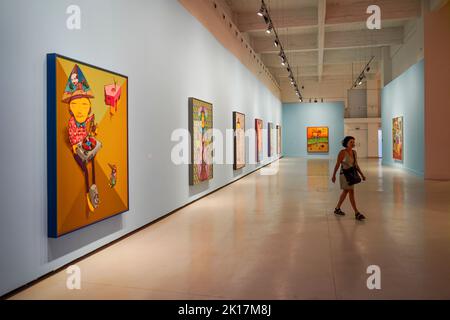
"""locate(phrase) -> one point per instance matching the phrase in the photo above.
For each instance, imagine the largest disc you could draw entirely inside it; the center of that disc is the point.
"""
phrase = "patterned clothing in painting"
(78, 131)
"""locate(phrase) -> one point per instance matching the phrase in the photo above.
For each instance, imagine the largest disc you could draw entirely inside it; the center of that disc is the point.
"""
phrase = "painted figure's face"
(351, 143)
(80, 109)
(74, 78)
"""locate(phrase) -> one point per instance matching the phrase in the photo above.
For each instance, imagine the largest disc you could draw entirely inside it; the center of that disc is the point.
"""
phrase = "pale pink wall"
(437, 94)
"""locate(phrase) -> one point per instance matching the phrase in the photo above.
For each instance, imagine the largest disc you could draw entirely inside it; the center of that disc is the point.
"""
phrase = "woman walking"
(347, 159)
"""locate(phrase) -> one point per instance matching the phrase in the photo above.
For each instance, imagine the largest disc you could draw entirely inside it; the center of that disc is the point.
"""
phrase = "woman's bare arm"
(338, 164)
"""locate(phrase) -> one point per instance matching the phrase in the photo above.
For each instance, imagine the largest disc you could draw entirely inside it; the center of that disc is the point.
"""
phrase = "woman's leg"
(342, 198)
(352, 200)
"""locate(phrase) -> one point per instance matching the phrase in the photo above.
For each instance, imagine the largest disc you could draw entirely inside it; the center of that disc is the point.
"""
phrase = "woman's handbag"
(351, 174)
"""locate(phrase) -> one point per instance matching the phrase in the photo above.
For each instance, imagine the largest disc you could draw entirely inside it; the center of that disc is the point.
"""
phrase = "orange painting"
(317, 139)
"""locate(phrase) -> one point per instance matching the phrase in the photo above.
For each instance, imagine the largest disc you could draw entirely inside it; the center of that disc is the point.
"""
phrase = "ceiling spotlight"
(261, 12)
(360, 79)
(266, 19)
(269, 29)
(281, 55)
(276, 43)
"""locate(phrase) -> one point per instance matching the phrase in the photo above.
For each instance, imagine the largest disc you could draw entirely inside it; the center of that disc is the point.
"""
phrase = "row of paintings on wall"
(201, 168)
(87, 120)
(88, 143)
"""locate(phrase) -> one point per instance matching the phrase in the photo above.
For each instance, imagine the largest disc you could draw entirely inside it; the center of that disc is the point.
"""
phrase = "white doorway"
(380, 143)
(361, 136)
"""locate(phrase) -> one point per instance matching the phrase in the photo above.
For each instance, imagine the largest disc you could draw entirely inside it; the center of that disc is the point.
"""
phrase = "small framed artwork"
(271, 140)
(239, 140)
(259, 139)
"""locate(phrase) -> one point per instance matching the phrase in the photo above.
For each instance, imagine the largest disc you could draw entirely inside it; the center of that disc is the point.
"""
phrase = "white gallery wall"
(168, 56)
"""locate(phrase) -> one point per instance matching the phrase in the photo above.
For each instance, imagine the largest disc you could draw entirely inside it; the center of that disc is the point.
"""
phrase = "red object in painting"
(112, 96)
(89, 143)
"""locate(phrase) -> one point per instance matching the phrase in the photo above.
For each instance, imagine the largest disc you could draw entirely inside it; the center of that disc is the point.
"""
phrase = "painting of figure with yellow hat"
(87, 144)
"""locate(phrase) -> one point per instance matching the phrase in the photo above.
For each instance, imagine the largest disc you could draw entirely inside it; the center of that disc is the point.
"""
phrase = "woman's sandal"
(339, 212)
(360, 217)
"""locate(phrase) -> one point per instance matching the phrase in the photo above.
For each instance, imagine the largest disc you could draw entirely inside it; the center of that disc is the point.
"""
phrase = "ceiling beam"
(328, 70)
(333, 40)
(364, 38)
(355, 10)
(331, 57)
(306, 17)
(295, 59)
(297, 43)
(322, 10)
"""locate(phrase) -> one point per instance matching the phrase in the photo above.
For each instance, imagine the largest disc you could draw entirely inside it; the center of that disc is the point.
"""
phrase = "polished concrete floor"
(275, 237)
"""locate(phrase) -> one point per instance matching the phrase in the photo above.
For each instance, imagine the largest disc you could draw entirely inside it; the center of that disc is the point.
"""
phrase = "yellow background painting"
(72, 209)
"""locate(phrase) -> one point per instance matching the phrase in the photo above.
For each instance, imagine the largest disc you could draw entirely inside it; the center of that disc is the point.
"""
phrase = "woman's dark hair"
(347, 140)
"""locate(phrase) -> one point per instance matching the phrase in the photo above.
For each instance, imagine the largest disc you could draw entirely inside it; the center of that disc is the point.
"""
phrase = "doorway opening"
(380, 143)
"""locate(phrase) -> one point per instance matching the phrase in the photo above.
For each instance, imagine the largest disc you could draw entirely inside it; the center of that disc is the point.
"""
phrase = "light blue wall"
(404, 97)
(298, 116)
(168, 56)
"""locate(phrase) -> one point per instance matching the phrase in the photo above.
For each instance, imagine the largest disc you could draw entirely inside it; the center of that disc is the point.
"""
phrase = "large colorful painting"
(87, 144)
(200, 128)
(279, 140)
(397, 138)
(318, 139)
(270, 140)
(239, 140)
(259, 140)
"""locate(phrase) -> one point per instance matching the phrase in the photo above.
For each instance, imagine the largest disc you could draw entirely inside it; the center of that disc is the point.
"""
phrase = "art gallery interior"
(184, 149)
